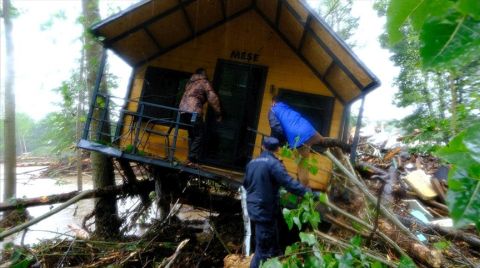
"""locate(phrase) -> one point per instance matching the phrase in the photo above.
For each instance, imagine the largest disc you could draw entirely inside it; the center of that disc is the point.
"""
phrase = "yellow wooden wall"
(250, 33)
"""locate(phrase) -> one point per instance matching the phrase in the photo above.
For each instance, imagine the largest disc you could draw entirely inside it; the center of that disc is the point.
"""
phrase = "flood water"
(31, 184)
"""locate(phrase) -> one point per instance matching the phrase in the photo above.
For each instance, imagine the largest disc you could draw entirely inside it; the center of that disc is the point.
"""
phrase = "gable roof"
(151, 28)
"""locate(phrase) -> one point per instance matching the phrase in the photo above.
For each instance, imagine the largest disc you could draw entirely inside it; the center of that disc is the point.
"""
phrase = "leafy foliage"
(304, 213)
(337, 14)
(448, 30)
(442, 91)
(463, 197)
(308, 251)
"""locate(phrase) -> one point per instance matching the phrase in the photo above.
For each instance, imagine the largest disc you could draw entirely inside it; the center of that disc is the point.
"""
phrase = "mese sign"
(244, 56)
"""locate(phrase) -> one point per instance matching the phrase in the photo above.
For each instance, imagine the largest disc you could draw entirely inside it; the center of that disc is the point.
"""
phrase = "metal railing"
(107, 123)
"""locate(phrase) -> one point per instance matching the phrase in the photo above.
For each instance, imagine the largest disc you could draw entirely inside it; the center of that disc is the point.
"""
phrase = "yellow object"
(420, 183)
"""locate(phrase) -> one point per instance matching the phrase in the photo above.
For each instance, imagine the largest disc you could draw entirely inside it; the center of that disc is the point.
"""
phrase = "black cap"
(271, 143)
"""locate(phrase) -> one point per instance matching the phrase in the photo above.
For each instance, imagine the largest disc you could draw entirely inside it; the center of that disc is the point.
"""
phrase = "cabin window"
(162, 87)
(317, 109)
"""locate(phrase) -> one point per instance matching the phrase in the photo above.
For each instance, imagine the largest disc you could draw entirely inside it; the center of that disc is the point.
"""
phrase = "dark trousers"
(195, 136)
(266, 242)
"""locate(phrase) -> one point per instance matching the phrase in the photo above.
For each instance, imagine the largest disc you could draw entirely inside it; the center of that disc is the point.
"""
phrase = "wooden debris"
(391, 154)
(237, 261)
(437, 187)
(415, 249)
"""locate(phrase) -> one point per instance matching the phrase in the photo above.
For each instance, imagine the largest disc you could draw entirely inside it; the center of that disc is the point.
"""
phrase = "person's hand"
(219, 118)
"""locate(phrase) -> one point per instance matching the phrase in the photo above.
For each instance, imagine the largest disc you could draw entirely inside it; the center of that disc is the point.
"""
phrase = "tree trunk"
(106, 215)
(80, 114)
(442, 106)
(453, 104)
(9, 190)
(426, 94)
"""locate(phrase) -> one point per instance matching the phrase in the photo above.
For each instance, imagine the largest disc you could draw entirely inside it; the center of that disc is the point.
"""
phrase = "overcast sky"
(45, 58)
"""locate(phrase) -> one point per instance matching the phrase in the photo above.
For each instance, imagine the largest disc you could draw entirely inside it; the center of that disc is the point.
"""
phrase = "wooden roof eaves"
(342, 43)
(369, 88)
(94, 28)
(322, 44)
(109, 42)
(307, 30)
(304, 60)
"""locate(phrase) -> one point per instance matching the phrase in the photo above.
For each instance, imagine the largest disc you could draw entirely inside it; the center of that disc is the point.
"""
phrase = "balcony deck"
(125, 134)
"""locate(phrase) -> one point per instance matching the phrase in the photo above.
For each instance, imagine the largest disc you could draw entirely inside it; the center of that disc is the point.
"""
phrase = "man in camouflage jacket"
(198, 91)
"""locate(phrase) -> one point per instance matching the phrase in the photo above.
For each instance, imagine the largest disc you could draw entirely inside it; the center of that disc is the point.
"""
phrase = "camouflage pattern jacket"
(198, 91)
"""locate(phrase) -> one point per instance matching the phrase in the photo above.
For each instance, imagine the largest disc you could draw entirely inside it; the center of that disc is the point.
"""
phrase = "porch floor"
(230, 178)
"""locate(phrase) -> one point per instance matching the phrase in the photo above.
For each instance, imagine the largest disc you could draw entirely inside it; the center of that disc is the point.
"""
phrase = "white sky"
(43, 59)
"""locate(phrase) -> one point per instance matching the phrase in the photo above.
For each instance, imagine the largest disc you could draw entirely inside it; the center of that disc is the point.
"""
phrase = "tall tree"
(9, 190)
(338, 14)
(106, 214)
(443, 97)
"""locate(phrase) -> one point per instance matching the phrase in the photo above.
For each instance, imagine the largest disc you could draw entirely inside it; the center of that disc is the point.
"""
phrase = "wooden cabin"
(252, 50)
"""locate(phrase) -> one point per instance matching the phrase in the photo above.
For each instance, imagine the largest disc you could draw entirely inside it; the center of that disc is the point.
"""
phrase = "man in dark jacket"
(198, 91)
(263, 177)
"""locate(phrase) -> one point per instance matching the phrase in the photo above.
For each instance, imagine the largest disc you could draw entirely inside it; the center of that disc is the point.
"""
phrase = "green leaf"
(357, 226)
(313, 169)
(441, 245)
(323, 198)
(308, 238)
(464, 149)
(292, 249)
(445, 39)
(288, 218)
(376, 264)
(312, 261)
(406, 262)
(271, 263)
(356, 241)
(463, 197)
(469, 7)
(296, 220)
(314, 219)
(399, 12)
(286, 152)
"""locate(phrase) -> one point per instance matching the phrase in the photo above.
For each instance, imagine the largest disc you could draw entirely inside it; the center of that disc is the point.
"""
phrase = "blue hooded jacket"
(263, 177)
(291, 123)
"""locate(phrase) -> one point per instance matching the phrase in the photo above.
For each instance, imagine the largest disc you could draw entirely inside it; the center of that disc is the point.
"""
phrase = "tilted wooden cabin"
(251, 49)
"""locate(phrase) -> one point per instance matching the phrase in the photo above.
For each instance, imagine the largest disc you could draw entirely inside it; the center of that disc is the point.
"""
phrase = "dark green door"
(240, 88)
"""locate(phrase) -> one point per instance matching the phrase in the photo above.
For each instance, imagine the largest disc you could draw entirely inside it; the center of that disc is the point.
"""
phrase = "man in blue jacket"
(287, 124)
(263, 177)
